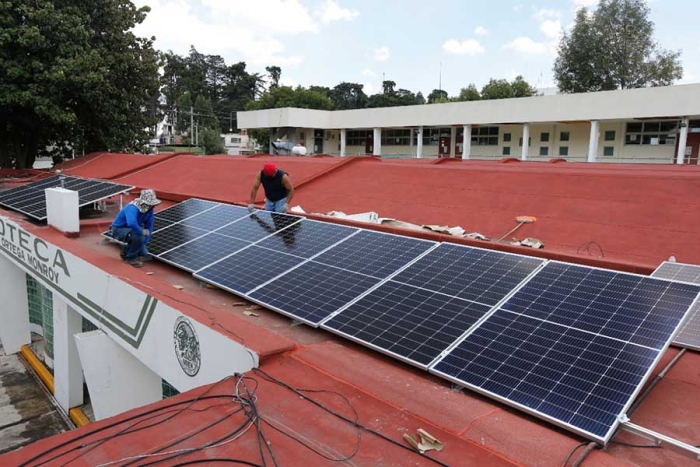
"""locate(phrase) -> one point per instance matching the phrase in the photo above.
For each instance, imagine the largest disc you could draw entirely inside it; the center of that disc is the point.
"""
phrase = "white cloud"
(551, 28)
(527, 46)
(369, 89)
(382, 54)
(586, 3)
(481, 31)
(544, 13)
(518, 8)
(330, 11)
(469, 47)
(287, 81)
(368, 72)
(273, 16)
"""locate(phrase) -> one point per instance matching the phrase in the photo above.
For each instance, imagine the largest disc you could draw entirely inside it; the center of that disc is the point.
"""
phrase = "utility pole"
(191, 124)
(197, 135)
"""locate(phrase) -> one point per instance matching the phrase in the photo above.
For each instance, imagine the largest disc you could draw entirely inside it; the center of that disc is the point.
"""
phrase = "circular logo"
(187, 346)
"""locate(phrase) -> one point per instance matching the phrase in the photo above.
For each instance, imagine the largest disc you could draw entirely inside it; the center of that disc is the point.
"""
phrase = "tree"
(522, 88)
(470, 93)
(275, 73)
(210, 140)
(497, 89)
(204, 114)
(388, 87)
(438, 95)
(419, 98)
(285, 96)
(184, 107)
(348, 96)
(72, 72)
(613, 48)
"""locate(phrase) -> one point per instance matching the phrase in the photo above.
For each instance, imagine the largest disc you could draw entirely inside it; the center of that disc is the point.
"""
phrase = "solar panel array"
(689, 335)
(570, 344)
(30, 199)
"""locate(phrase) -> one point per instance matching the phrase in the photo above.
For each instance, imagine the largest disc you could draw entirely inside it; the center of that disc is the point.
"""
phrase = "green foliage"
(419, 98)
(502, 89)
(262, 138)
(392, 98)
(184, 107)
(613, 48)
(210, 140)
(204, 114)
(72, 71)
(470, 93)
(285, 96)
(348, 96)
(438, 96)
(275, 73)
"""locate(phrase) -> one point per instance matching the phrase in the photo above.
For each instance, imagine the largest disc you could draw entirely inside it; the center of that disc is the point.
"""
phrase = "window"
(610, 135)
(544, 137)
(652, 133)
(544, 151)
(485, 136)
(506, 150)
(506, 137)
(529, 142)
(563, 151)
(357, 137)
(609, 151)
(396, 137)
(318, 133)
(235, 140)
(431, 136)
(564, 136)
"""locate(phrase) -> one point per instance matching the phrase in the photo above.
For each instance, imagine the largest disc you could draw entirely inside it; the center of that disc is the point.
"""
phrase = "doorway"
(692, 148)
(369, 143)
(444, 148)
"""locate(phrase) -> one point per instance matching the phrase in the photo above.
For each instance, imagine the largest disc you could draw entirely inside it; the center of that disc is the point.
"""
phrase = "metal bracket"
(661, 440)
(456, 387)
(295, 322)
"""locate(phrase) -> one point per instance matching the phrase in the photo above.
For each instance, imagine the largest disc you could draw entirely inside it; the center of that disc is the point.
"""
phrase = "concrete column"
(467, 142)
(419, 145)
(343, 139)
(593, 141)
(68, 373)
(682, 141)
(14, 310)
(62, 207)
(117, 380)
(453, 141)
(377, 142)
(526, 142)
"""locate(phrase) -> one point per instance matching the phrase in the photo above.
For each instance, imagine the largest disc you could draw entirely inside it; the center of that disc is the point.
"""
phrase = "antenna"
(440, 83)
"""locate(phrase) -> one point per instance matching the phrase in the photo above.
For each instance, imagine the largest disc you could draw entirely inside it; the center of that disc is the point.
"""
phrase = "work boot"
(134, 263)
(146, 258)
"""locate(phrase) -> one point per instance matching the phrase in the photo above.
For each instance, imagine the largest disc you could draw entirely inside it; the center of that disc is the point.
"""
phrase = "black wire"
(344, 418)
(587, 248)
(190, 402)
(573, 451)
(207, 461)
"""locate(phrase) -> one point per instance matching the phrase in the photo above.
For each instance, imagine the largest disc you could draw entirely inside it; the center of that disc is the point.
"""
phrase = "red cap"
(269, 169)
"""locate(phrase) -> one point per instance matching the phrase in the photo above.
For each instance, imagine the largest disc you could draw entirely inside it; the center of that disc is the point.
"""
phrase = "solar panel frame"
(689, 336)
(604, 439)
(30, 199)
(391, 279)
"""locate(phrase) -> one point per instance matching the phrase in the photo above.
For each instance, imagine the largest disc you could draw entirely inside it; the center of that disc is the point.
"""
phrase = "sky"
(416, 43)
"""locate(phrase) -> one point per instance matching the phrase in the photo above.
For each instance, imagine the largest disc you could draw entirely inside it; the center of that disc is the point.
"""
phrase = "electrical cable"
(272, 379)
(573, 451)
(190, 402)
(208, 461)
(631, 445)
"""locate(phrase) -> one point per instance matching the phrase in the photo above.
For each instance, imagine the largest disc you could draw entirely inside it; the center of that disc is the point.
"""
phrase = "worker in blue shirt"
(134, 226)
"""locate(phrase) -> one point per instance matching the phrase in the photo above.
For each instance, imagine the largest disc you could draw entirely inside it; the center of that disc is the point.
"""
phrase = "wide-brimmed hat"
(149, 197)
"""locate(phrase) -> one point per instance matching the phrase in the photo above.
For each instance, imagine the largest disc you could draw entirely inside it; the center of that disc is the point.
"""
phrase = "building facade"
(651, 125)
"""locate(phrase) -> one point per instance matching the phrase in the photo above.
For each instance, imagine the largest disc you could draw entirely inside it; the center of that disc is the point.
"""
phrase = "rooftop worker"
(278, 189)
(134, 226)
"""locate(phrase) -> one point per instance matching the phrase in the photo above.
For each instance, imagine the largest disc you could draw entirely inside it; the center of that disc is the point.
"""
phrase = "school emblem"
(187, 346)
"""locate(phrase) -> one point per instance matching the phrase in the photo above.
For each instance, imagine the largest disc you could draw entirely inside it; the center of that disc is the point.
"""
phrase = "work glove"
(251, 208)
(146, 233)
(284, 208)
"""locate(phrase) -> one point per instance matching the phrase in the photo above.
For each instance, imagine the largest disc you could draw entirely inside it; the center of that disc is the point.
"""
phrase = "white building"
(652, 125)
(237, 144)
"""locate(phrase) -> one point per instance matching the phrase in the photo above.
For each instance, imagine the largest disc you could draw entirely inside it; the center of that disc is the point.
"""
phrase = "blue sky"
(325, 42)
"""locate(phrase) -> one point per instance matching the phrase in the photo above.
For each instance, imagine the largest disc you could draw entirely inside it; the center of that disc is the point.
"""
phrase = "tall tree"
(72, 71)
(275, 73)
(184, 109)
(420, 99)
(285, 96)
(204, 114)
(470, 93)
(497, 89)
(613, 48)
(438, 96)
(522, 88)
(348, 96)
(388, 86)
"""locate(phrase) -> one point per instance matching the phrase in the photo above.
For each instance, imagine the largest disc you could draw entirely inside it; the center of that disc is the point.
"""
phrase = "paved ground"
(26, 414)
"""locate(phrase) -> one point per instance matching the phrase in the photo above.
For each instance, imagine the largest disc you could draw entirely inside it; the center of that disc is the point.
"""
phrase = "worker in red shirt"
(279, 190)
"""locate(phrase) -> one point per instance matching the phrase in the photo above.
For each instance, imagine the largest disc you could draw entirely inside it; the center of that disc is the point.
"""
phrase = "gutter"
(76, 414)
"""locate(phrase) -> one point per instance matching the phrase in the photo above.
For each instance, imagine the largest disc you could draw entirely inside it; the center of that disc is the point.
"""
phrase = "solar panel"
(172, 237)
(247, 269)
(313, 291)
(307, 238)
(202, 251)
(258, 226)
(216, 217)
(338, 275)
(374, 254)
(572, 346)
(30, 199)
(419, 312)
(180, 212)
(689, 335)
